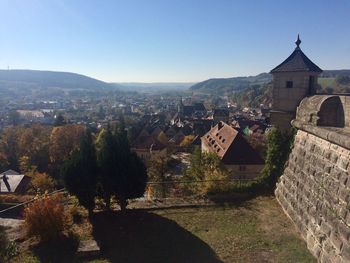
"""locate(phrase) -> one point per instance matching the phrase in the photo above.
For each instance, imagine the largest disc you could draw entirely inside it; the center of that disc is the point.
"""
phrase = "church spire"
(298, 42)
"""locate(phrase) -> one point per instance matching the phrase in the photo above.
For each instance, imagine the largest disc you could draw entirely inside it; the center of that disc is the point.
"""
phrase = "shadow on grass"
(60, 250)
(138, 236)
(238, 199)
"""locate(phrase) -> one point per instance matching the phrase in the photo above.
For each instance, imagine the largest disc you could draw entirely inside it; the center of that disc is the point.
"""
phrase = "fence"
(183, 189)
(174, 189)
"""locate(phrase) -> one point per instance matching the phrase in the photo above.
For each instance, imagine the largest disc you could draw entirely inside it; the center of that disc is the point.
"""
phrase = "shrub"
(77, 214)
(45, 217)
(278, 148)
(42, 183)
(207, 172)
(8, 249)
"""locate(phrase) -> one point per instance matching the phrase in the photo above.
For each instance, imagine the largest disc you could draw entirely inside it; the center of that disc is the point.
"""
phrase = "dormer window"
(289, 84)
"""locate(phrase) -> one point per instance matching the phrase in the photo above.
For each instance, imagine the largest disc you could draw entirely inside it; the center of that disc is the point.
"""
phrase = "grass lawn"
(253, 231)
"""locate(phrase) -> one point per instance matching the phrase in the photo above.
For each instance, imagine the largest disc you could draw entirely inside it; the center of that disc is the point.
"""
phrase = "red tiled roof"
(230, 146)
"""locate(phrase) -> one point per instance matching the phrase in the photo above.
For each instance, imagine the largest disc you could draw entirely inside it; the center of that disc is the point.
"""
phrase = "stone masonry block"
(343, 163)
(345, 253)
(336, 241)
(344, 195)
(316, 251)
(344, 232)
(314, 190)
(326, 228)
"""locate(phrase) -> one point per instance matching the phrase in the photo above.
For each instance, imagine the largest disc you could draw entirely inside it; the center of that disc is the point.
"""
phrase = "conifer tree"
(131, 172)
(121, 172)
(108, 168)
(80, 173)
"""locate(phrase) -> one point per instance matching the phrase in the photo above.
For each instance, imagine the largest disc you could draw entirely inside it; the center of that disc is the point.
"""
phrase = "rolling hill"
(255, 90)
(227, 86)
(49, 79)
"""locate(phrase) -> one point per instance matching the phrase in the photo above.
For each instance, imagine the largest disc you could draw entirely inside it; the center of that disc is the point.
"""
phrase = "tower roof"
(297, 62)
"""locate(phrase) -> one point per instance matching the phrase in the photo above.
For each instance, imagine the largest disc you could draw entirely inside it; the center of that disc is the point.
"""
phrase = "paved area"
(14, 228)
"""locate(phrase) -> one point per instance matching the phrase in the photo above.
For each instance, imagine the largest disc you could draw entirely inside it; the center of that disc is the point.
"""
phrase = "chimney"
(220, 125)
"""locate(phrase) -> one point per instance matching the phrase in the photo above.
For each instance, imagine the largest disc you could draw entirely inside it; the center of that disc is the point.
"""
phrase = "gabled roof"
(148, 143)
(9, 172)
(230, 146)
(297, 62)
(13, 182)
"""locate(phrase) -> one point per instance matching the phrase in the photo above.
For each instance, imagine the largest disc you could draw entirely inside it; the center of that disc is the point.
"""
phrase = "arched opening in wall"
(331, 113)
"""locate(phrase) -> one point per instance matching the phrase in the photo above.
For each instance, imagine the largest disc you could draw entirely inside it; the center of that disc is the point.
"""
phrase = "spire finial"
(298, 41)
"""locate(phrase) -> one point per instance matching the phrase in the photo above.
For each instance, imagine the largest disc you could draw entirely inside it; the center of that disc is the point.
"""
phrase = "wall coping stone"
(339, 136)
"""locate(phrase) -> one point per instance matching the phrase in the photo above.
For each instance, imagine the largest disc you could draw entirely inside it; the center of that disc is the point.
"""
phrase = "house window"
(242, 168)
(289, 84)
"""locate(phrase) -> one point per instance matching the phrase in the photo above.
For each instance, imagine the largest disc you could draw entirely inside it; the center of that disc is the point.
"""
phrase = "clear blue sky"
(170, 40)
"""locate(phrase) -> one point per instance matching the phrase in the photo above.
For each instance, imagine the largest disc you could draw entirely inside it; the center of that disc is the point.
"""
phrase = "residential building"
(234, 151)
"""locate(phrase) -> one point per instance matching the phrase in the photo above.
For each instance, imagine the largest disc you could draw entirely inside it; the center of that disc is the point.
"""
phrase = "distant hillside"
(48, 79)
(222, 86)
(153, 87)
(253, 91)
(253, 96)
(335, 81)
(335, 73)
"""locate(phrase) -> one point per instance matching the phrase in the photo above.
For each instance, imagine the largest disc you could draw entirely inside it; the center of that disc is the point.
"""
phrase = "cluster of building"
(159, 124)
(220, 130)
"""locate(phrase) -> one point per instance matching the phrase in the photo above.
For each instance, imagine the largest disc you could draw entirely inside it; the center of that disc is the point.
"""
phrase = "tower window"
(289, 84)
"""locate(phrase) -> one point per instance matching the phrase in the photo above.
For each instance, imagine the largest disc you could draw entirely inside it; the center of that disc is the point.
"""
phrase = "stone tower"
(294, 79)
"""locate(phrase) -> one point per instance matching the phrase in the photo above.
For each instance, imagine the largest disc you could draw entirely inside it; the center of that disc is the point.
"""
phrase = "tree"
(3, 162)
(9, 145)
(121, 172)
(207, 172)
(63, 141)
(343, 79)
(34, 144)
(131, 178)
(42, 183)
(59, 120)
(45, 217)
(157, 172)
(107, 163)
(14, 117)
(258, 141)
(187, 141)
(79, 173)
(278, 148)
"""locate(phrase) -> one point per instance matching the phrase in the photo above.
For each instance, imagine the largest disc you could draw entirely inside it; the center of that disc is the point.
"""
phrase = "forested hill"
(49, 79)
(222, 86)
(335, 73)
(330, 81)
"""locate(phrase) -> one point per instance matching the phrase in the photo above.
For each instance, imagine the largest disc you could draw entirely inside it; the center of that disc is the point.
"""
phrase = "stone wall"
(314, 190)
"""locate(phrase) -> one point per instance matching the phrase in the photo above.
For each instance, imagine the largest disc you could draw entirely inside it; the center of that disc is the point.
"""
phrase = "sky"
(170, 40)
